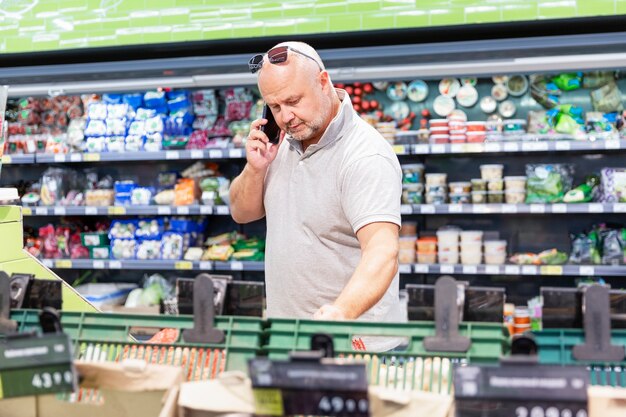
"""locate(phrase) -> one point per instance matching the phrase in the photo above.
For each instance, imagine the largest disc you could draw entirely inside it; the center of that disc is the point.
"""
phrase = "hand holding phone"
(271, 129)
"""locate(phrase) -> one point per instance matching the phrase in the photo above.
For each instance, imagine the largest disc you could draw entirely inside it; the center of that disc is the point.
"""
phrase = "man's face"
(297, 100)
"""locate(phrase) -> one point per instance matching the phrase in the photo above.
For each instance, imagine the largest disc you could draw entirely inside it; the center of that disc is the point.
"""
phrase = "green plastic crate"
(107, 337)
(412, 369)
(555, 348)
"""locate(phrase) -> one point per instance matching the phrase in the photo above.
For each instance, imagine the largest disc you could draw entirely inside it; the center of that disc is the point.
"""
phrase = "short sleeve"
(371, 190)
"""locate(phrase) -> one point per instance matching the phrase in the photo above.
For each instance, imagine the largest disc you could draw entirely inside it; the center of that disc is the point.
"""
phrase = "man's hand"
(329, 312)
(260, 153)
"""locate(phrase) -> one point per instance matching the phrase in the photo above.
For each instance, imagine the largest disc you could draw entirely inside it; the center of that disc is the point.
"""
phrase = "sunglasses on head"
(276, 55)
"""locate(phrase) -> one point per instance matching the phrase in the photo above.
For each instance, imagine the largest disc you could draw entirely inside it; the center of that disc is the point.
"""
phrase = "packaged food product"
(437, 189)
(100, 252)
(438, 123)
(515, 183)
(99, 198)
(495, 246)
(515, 197)
(478, 184)
(193, 254)
(439, 139)
(458, 139)
(514, 125)
(456, 125)
(548, 183)
(172, 245)
(495, 258)
(613, 182)
(462, 198)
(460, 187)
(439, 130)
(123, 248)
(436, 199)
(495, 185)
(427, 244)
(406, 256)
(488, 104)
(408, 242)
(92, 239)
(448, 237)
(495, 197)
(122, 229)
(408, 229)
(149, 228)
(476, 137)
(428, 258)
(471, 258)
(443, 105)
(148, 249)
(491, 171)
(185, 192)
(412, 173)
(471, 236)
(409, 197)
(448, 258)
(436, 179)
(476, 127)
(479, 197)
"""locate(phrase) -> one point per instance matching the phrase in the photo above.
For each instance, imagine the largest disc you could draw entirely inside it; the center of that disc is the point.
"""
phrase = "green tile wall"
(38, 25)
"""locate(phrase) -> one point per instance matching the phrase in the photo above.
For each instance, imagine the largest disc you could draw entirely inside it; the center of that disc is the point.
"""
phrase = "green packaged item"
(100, 252)
(552, 257)
(248, 255)
(548, 183)
(253, 243)
(568, 81)
(584, 193)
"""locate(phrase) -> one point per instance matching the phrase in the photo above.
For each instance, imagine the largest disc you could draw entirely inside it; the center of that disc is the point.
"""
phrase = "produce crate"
(410, 369)
(114, 337)
(555, 348)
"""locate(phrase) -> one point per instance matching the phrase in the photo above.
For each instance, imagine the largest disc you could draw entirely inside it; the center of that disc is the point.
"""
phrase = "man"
(330, 191)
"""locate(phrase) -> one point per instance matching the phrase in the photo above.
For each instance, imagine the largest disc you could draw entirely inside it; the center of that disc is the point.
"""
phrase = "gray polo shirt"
(315, 202)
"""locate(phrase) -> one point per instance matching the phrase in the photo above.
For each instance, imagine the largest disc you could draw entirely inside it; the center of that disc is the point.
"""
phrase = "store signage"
(309, 387)
(521, 390)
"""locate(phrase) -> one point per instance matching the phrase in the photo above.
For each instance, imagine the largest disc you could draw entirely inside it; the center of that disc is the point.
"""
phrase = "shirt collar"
(335, 129)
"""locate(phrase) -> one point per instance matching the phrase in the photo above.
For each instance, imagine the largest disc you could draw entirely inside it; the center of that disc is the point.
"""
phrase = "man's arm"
(373, 275)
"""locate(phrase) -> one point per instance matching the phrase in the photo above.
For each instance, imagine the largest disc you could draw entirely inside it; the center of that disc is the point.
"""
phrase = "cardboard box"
(128, 389)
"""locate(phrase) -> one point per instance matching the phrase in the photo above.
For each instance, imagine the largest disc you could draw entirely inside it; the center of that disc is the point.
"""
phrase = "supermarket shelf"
(152, 265)
(18, 159)
(127, 211)
(518, 147)
(513, 208)
(216, 153)
(532, 270)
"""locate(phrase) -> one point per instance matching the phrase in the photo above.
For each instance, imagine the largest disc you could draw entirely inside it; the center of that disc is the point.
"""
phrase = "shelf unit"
(127, 211)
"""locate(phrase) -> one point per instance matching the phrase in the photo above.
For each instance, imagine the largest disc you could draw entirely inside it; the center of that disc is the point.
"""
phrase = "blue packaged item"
(178, 104)
(148, 249)
(123, 192)
(112, 98)
(133, 100)
(154, 99)
(123, 229)
(172, 246)
(183, 225)
(123, 249)
(97, 111)
(149, 228)
(155, 125)
(174, 94)
(141, 196)
(144, 113)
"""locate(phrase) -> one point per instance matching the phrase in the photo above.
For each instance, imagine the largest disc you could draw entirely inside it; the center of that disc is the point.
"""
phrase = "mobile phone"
(271, 128)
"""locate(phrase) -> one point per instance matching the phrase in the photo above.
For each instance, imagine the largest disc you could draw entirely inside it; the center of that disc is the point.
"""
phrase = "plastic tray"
(555, 348)
(410, 369)
(114, 337)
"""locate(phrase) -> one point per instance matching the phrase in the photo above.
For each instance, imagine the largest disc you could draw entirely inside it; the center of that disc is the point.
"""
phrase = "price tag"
(172, 155)
(6, 159)
(492, 269)
(399, 149)
(115, 265)
(222, 210)
(59, 211)
(421, 149)
(47, 263)
(98, 265)
(612, 144)
(475, 148)
(457, 148)
(562, 145)
(455, 208)
(76, 157)
(183, 265)
(41, 211)
(551, 270)
(404, 268)
(206, 266)
(535, 146)
(427, 209)
(91, 157)
(619, 207)
(215, 154)
(421, 268)
(235, 153)
(587, 271)
(164, 210)
(63, 264)
(26, 211)
(206, 210)
(236, 266)
(438, 148)
(91, 211)
(538, 208)
(511, 270)
(447, 269)
(197, 154)
(480, 209)
(59, 158)
(511, 147)
(559, 208)
(529, 270)
(116, 210)
(493, 147)
(595, 208)
(183, 211)
(509, 208)
(406, 209)
(470, 269)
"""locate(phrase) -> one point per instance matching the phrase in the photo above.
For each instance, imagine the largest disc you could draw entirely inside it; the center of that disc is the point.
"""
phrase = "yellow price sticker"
(551, 270)
(115, 210)
(63, 263)
(27, 211)
(91, 157)
(6, 159)
(186, 265)
(399, 149)
(268, 401)
(1, 390)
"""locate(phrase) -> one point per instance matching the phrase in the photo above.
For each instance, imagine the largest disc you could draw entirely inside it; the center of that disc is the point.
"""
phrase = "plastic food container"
(458, 139)
(458, 132)
(448, 237)
(407, 242)
(436, 179)
(460, 198)
(476, 137)
(412, 173)
(437, 190)
(427, 244)
(471, 258)
(448, 257)
(412, 197)
(438, 123)
(479, 197)
(439, 139)
(436, 198)
(495, 197)
(495, 258)
(406, 256)
(495, 246)
(460, 187)
(514, 125)
(427, 257)
(472, 236)
(495, 185)
(478, 184)
(472, 248)
(443, 130)
(417, 187)
(408, 229)
(515, 197)
(491, 171)
(476, 126)
(515, 183)
(457, 125)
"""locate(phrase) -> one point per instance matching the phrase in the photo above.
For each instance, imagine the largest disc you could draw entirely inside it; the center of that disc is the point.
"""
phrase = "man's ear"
(325, 80)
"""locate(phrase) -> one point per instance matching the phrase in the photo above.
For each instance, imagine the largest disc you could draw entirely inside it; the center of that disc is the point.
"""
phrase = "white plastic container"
(408, 243)
(515, 183)
(495, 258)
(471, 237)
(491, 171)
(471, 258)
(448, 238)
(440, 179)
(101, 294)
(448, 258)
(449, 247)
(406, 256)
(495, 247)
(515, 197)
